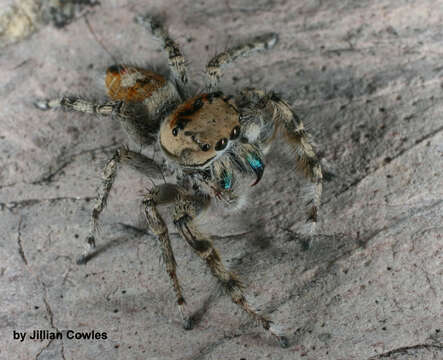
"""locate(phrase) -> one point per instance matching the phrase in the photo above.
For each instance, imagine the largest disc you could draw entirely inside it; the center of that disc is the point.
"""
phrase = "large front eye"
(221, 144)
(235, 133)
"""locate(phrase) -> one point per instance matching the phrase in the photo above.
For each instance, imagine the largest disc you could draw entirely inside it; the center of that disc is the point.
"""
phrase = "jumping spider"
(212, 142)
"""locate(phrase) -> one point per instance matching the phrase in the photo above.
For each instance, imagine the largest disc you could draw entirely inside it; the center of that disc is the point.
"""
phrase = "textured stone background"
(367, 78)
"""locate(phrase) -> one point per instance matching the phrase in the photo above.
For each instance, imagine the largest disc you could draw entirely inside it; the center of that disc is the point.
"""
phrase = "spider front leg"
(137, 161)
(163, 194)
(185, 211)
(269, 107)
(214, 67)
(176, 60)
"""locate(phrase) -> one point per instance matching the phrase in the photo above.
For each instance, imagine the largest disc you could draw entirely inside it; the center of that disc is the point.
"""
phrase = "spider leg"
(163, 194)
(121, 156)
(185, 211)
(282, 116)
(80, 105)
(176, 60)
(214, 67)
(131, 115)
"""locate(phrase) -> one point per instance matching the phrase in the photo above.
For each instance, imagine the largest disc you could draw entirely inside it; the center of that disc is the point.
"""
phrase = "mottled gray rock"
(365, 76)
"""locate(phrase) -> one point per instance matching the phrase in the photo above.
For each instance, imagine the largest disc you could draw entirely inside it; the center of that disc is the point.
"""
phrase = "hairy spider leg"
(214, 66)
(185, 212)
(80, 105)
(282, 116)
(123, 155)
(158, 195)
(176, 60)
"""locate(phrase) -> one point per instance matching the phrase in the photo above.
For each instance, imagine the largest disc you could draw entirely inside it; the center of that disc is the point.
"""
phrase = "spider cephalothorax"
(204, 133)
(198, 130)
(214, 143)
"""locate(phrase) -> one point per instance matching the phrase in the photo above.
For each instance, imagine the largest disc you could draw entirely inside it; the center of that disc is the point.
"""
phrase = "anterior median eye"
(206, 147)
(221, 144)
(235, 133)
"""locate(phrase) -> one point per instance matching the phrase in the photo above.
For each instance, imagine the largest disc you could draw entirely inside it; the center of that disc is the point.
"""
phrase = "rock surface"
(366, 77)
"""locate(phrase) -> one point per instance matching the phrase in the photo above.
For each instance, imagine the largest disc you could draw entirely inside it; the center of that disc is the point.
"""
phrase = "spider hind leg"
(185, 212)
(164, 194)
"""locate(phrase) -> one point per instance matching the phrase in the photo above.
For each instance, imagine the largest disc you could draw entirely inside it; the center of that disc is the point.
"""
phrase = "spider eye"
(175, 131)
(221, 144)
(205, 147)
(235, 133)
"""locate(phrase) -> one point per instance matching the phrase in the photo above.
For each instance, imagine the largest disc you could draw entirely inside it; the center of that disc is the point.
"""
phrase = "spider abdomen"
(131, 84)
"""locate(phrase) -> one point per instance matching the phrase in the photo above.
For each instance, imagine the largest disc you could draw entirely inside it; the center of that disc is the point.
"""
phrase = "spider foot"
(186, 320)
(47, 104)
(188, 323)
(84, 258)
(282, 341)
